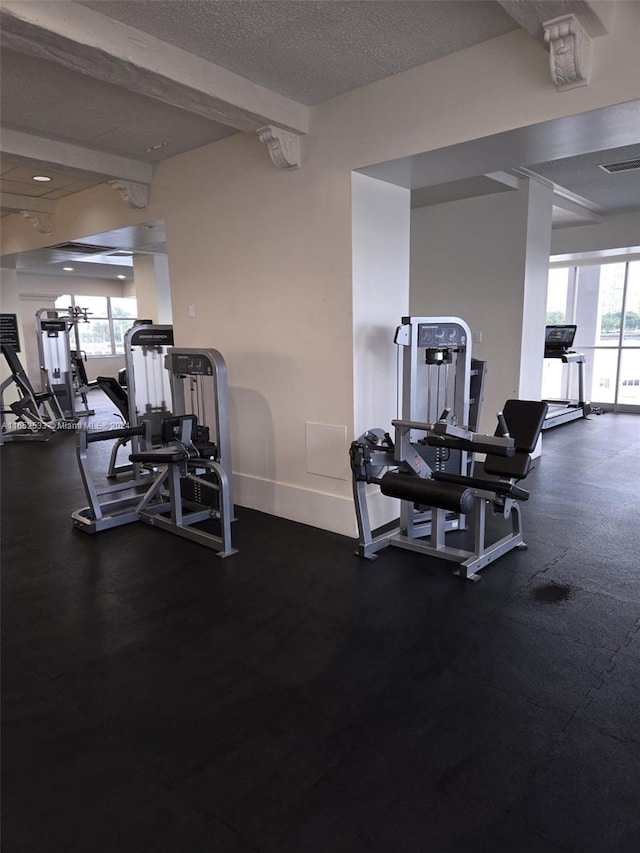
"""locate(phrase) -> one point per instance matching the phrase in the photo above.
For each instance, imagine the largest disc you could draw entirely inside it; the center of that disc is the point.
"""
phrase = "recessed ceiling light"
(68, 269)
(121, 277)
(42, 178)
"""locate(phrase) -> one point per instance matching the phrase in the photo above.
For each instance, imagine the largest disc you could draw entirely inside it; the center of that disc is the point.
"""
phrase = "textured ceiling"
(582, 176)
(312, 51)
(304, 50)
(49, 100)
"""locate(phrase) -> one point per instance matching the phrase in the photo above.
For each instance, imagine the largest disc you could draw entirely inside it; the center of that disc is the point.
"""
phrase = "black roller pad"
(408, 487)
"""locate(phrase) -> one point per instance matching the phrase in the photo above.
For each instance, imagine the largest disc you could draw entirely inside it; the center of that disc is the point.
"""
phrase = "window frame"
(109, 318)
(574, 266)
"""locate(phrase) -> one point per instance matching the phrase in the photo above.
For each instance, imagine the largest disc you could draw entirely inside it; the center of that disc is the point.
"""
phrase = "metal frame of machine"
(58, 370)
(148, 388)
(37, 414)
(187, 450)
(429, 463)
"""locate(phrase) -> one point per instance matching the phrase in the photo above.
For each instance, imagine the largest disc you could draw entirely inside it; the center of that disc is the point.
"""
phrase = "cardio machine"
(558, 341)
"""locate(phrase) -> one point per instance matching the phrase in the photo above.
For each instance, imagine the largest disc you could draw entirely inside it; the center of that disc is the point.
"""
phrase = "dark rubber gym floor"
(294, 699)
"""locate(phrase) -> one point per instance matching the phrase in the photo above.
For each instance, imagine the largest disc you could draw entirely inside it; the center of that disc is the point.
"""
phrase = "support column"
(153, 289)
(381, 222)
(536, 273)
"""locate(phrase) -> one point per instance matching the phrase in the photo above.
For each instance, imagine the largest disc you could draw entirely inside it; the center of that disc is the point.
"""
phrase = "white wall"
(266, 256)
(152, 288)
(381, 237)
(485, 260)
(381, 240)
(615, 232)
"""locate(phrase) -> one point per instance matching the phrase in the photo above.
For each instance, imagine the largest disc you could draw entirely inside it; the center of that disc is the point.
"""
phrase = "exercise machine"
(439, 379)
(61, 366)
(429, 464)
(115, 504)
(558, 341)
(36, 414)
(148, 384)
(146, 397)
(199, 387)
(141, 407)
(196, 455)
(188, 460)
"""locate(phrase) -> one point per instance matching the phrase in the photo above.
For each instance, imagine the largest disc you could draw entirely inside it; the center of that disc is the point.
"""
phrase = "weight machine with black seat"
(147, 395)
(190, 459)
(148, 383)
(429, 464)
(61, 365)
(37, 413)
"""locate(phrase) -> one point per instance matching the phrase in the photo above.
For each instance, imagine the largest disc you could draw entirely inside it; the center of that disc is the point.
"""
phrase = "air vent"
(81, 249)
(624, 166)
(121, 254)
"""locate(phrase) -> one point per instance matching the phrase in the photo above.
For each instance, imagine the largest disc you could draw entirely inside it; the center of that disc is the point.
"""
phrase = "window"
(108, 318)
(604, 301)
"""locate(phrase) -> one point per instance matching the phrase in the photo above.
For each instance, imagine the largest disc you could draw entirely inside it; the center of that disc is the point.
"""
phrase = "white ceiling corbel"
(43, 222)
(595, 16)
(284, 147)
(135, 195)
(570, 56)
(568, 27)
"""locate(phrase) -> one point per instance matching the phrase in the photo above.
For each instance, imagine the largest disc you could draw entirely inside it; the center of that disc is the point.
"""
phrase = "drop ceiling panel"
(95, 114)
(312, 51)
(18, 178)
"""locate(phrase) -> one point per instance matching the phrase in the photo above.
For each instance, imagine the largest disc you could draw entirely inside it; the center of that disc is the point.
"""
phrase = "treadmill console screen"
(559, 337)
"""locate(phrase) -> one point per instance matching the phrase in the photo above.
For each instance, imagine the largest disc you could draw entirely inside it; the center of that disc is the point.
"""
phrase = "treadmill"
(558, 340)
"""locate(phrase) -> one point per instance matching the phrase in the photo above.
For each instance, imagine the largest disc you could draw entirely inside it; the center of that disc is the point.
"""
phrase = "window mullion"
(112, 338)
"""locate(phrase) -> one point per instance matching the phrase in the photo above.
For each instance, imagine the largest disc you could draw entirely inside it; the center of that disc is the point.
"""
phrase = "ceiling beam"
(90, 43)
(14, 202)
(24, 147)
(565, 199)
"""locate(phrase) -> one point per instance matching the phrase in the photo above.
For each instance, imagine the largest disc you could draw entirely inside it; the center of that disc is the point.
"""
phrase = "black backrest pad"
(78, 363)
(12, 359)
(524, 421)
(17, 370)
(116, 393)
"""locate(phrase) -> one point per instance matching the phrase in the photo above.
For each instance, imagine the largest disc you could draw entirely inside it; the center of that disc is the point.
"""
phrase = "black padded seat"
(524, 419)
